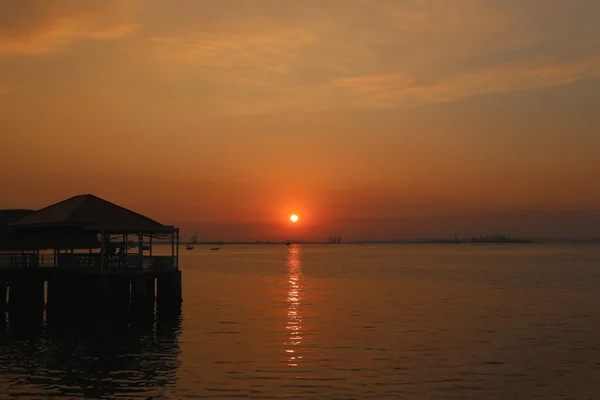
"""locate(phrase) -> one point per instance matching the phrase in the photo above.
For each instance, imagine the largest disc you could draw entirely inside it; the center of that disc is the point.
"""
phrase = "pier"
(85, 257)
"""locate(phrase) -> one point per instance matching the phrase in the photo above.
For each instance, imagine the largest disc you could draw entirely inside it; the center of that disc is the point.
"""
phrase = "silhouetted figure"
(110, 249)
(121, 256)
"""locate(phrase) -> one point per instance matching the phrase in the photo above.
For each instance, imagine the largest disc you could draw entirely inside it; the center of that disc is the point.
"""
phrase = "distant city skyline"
(387, 119)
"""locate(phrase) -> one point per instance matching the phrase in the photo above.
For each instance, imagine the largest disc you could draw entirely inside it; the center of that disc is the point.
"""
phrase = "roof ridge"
(60, 202)
(85, 209)
(126, 209)
(74, 210)
(48, 206)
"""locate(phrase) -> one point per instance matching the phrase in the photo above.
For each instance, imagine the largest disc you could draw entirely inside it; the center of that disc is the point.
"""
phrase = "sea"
(338, 321)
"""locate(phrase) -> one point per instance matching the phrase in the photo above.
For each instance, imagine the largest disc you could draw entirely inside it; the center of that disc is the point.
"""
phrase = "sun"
(294, 218)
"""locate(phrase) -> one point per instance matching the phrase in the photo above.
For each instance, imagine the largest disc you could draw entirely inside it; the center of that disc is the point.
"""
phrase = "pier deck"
(64, 257)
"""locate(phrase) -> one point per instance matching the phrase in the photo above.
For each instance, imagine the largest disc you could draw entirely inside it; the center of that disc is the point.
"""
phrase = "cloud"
(379, 54)
(35, 27)
(389, 90)
(261, 56)
(269, 49)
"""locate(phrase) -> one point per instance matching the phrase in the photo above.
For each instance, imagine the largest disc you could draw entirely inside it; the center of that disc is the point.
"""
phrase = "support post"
(102, 251)
(169, 293)
(140, 250)
(55, 295)
(173, 244)
(126, 249)
(26, 295)
(176, 262)
(3, 299)
(142, 296)
(112, 293)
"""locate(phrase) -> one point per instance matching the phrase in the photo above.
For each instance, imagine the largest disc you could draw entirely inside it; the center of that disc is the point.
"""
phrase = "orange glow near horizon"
(227, 118)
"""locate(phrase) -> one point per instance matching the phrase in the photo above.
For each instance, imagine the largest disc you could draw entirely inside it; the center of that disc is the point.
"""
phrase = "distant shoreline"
(416, 241)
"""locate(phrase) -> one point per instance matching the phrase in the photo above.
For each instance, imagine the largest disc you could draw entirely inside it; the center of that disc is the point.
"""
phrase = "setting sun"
(294, 218)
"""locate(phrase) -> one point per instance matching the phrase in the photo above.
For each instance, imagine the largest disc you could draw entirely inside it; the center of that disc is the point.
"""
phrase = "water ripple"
(339, 322)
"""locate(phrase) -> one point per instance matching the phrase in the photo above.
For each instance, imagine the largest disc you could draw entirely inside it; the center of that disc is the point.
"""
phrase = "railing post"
(176, 261)
(102, 252)
(173, 245)
(141, 251)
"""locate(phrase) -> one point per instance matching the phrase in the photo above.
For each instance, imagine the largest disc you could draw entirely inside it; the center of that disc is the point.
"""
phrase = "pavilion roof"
(8, 216)
(89, 212)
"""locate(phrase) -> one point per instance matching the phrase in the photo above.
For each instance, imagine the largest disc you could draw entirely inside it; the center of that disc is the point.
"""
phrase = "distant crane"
(335, 239)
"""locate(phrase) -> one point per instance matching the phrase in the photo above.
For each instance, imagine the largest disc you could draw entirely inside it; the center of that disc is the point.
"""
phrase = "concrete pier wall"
(26, 295)
(117, 296)
(80, 295)
(3, 297)
(67, 294)
(142, 296)
(169, 291)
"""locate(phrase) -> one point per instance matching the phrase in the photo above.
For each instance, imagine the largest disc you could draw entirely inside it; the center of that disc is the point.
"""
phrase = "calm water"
(340, 322)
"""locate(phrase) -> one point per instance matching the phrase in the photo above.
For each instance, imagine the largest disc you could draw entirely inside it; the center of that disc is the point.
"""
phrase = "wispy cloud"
(389, 90)
(270, 49)
(34, 27)
(264, 55)
(384, 54)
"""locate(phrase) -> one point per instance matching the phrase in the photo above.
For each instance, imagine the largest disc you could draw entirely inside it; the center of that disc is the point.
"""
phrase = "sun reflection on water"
(294, 319)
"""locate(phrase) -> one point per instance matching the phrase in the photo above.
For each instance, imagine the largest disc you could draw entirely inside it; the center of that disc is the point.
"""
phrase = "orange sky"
(370, 119)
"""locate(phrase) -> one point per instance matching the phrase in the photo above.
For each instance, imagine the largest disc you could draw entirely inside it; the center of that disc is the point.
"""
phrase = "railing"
(89, 262)
(20, 260)
(46, 260)
(132, 263)
(78, 261)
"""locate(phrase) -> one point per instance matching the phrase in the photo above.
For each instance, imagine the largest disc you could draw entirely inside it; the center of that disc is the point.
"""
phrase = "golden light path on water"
(294, 319)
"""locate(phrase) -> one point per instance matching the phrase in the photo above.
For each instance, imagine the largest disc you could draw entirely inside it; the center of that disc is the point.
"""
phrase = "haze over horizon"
(369, 119)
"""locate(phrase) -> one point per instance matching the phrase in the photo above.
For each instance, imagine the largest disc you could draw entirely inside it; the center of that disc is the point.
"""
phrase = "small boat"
(214, 248)
(189, 247)
(287, 243)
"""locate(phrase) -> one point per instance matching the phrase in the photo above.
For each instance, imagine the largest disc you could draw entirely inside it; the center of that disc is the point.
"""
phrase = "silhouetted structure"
(498, 239)
(454, 240)
(335, 239)
(72, 245)
(8, 216)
